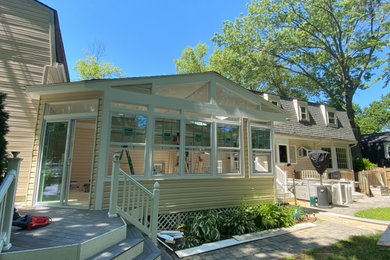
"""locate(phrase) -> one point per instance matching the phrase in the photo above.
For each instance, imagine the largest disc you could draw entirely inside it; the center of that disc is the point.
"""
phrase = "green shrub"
(272, 215)
(363, 164)
(189, 241)
(203, 227)
(3, 132)
(237, 222)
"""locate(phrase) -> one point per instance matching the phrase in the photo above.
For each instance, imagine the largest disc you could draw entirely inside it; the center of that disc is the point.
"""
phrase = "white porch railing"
(281, 179)
(7, 202)
(135, 203)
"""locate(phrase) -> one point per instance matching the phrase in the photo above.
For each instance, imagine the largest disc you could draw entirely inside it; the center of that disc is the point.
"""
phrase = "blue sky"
(144, 37)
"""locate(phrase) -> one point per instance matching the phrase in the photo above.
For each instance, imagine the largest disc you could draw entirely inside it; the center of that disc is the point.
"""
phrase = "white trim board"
(236, 240)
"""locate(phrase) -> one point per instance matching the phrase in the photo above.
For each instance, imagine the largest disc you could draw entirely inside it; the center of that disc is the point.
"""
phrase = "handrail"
(137, 205)
(281, 178)
(7, 202)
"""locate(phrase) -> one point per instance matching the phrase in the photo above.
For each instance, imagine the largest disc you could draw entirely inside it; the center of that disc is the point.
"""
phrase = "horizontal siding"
(24, 51)
(189, 195)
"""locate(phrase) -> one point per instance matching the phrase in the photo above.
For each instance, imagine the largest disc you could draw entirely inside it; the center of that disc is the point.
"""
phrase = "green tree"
(335, 44)
(93, 67)
(3, 132)
(376, 117)
(193, 60)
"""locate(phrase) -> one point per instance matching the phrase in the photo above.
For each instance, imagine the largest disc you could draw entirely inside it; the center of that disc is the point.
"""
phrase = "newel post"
(114, 186)
(13, 170)
(154, 217)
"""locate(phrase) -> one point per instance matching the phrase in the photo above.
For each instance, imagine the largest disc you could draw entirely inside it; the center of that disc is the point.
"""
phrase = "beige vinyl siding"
(304, 163)
(199, 194)
(25, 48)
(38, 136)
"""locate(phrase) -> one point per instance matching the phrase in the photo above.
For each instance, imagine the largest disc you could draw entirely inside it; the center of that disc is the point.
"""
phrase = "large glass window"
(228, 141)
(85, 106)
(198, 149)
(128, 136)
(341, 155)
(261, 149)
(166, 146)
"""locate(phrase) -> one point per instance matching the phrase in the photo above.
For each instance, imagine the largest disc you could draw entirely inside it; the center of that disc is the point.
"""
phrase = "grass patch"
(360, 247)
(378, 214)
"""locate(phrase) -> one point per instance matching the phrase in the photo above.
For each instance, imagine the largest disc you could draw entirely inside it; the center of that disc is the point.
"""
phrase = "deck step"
(151, 251)
(129, 248)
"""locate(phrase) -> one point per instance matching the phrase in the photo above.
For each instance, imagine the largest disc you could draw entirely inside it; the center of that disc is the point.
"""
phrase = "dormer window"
(329, 115)
(301, 110)
(331, 118)
(275, 100)
(275, 103)
(303, 113)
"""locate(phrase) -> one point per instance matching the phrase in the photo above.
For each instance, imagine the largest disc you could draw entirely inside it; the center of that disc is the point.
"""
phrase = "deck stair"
(80, 234)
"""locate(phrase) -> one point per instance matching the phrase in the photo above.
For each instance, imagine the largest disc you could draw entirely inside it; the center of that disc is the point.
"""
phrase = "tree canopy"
(376, 117)
(93, 68)
(329, 48)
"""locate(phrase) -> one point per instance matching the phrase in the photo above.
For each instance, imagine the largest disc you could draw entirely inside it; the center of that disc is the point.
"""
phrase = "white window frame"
(303, 148)
(298, 105)
(268, 151)
(346, 157)
(239, 148)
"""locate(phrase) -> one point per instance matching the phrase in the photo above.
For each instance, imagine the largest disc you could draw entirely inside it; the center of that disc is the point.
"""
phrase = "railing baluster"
(131, 187)
(141, 217)
(124, 193)
(138, 201)
(146, 211)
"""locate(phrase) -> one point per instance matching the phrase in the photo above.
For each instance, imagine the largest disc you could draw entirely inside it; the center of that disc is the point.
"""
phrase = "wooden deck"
(69, 227)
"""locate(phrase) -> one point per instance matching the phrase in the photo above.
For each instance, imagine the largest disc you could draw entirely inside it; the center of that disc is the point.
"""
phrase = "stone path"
(329, 230)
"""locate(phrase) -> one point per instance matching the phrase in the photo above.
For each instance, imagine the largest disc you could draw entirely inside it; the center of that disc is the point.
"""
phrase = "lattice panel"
(172, 221)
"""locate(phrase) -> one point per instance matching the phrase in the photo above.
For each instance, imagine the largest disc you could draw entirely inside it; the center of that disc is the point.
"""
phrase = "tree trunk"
(357, 153)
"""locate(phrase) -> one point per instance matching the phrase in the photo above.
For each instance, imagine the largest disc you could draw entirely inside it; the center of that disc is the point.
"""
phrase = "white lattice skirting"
(171, 221)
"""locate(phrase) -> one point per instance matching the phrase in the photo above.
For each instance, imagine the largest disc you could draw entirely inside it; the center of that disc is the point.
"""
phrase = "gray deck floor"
(69, 226)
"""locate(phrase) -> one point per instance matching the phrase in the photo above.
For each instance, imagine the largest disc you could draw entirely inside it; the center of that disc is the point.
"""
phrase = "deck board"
(69, 226)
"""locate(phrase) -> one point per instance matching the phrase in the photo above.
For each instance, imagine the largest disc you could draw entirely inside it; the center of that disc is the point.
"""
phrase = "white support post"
(13, 169)
(154, 217)
(114, 186)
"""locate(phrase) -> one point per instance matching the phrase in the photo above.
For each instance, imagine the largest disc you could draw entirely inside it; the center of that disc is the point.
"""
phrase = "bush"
(269, 216)
(203, 228)
(3, 132)
(237, 222)
(363, 164)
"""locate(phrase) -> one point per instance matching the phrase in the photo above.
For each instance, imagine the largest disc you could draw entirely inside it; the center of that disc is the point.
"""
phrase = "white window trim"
(297, 106)
(308, 150)
(347, 155)
(271, 166)
(325, 115)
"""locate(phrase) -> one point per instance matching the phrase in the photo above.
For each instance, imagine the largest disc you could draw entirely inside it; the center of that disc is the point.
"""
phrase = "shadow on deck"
(68, 227)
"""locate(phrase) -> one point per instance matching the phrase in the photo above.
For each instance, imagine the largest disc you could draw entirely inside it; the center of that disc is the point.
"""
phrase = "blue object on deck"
(313, 201)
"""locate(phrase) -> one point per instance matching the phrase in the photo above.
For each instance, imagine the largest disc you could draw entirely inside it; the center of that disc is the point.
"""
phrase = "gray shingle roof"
(316, 127)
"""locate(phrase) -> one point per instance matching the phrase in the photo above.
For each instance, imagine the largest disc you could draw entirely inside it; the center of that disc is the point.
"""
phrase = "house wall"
(198, 194)
(304, 163)
(38, 138)
(25, 48)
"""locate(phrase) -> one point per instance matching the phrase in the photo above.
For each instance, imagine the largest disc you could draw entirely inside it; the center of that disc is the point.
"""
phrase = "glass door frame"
(70, 119)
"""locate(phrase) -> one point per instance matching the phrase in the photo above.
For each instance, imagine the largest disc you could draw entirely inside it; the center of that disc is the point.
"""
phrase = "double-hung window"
(198, 147)
(228, 141)
(261, 149)
(341, 155)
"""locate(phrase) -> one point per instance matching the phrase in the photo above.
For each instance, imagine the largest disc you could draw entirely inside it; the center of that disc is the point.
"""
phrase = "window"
(85, 106)
(283, 156)
(331, 118)
(341, 155)
(287, 153)
(303, 152)
(304, 114)
(261, 149)
(329, 150)
(275, 103)
(198, 148)
(166, 146)
(228, 148)
(128, 136)
(387, 150)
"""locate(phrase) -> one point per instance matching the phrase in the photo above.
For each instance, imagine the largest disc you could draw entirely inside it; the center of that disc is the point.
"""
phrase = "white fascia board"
(36, 91)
